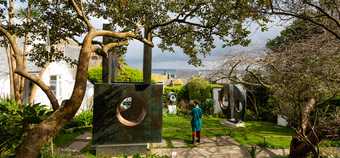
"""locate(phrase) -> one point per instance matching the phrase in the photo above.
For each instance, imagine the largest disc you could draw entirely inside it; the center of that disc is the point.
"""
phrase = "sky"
(178, 60)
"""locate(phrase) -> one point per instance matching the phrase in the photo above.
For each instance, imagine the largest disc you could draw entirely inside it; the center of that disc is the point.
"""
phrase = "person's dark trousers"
(198, 136)
(193, 137)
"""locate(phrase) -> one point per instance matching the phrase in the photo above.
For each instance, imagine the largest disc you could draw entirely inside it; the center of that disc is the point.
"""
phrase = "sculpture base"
(172, 109)
(232, 123)
(121, 149)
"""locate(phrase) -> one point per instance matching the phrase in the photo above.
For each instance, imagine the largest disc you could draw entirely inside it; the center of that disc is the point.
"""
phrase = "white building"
(60, 76)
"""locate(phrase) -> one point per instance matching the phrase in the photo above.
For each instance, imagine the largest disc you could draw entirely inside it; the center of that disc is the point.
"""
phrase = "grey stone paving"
(80, 142)
(214, 147)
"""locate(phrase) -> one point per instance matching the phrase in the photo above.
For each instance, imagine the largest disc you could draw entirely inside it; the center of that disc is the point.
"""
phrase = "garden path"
(214, 147)
(80, 142)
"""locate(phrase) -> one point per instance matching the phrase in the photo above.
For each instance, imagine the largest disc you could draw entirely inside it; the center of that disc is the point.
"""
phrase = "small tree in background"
(302, 73)
(125, 74)
(199, 89)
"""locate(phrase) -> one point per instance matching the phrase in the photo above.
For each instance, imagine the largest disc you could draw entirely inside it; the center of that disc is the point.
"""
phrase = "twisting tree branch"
(257, 78)
(324, 12)
(302, 17)
(109, 46)
(178, 18)
(20, 69)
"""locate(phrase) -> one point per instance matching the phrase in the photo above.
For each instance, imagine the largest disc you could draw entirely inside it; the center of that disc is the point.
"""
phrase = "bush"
(126, 74)
(83, 119)
(181, 92)
(129, 74)
(14, 119)
(207, 106)
(199, 89)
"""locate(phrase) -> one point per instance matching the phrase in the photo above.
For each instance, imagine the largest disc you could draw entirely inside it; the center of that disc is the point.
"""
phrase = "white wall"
(66, 82)
(4, 86)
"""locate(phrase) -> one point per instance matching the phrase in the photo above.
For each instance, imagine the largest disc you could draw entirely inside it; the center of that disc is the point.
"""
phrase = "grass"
(259, 133)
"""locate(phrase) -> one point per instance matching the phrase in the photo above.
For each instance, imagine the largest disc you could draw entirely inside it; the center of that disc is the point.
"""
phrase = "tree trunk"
(300, 148)
(35, 87)
(306, 139)
(41, 133)
(16, 80)
(147, 58)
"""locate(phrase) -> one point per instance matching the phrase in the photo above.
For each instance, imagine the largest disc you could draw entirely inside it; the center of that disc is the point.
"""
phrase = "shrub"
(181, 92)
(199, 89)
(126, 74)
(207, 106)
(14, 119)
(129, 74)
(83, 119)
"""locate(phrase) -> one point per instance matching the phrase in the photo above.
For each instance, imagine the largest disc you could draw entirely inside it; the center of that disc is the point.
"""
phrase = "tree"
(302, 71)
(41, 133)
(125, 74)
(191, 25)
(321, 13)
(304, 76)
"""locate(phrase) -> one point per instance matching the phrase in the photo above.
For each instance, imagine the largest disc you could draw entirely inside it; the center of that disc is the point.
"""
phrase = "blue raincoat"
(196, 121)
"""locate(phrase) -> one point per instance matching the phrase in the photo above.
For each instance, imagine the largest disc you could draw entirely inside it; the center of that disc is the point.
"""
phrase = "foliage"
(180, 91)
(14, 119)
(65, 138)
(207, 106)
(125, 74)
(129, 74)
(302, 75)
(199, 89)
(265, 108)
(254, 133)
(95, 74)
(324, 13)
(175, 24)
(83, 119)
(298, 30)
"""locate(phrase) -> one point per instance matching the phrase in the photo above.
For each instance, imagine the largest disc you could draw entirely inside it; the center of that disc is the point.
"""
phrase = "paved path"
(215, 147)
(80, 142)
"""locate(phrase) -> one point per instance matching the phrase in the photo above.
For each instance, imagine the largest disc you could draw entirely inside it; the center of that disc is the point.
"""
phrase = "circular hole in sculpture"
(131, 111)
(239, 107)
(224, 103)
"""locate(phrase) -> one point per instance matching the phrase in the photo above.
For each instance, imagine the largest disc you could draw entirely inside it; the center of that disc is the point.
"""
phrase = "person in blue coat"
(196, 121)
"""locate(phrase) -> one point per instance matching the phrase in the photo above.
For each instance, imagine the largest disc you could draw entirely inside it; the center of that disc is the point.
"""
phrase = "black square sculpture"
(127, 113)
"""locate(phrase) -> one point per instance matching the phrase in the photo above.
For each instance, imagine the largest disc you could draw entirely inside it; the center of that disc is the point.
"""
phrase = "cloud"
(178, 60)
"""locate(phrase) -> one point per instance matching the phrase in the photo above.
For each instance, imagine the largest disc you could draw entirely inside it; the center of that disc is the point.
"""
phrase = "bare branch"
(324, 12)
(296, 15)
(183, 20)
(257, 78)
(80, 13)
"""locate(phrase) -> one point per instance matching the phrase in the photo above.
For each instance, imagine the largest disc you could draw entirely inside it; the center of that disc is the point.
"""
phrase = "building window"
(94, 57)
(54, 84)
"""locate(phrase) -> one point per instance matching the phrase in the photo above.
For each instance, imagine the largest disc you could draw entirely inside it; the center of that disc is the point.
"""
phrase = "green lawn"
(259, 133)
